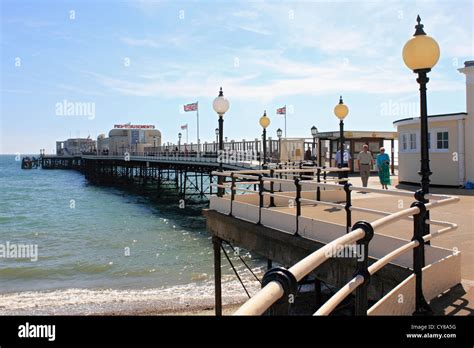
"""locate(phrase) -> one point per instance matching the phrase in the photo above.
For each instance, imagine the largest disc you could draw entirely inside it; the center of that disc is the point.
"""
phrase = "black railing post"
(260, 195)
(298, 202)
(421, 305)
(272, 191)
(318, 190)
(361, 300)
(347, 189)
(216, 242)
(232, 192)
(290, 288)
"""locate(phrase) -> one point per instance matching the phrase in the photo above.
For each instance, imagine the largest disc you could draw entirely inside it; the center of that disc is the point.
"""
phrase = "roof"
(349, 134)
(453, 115)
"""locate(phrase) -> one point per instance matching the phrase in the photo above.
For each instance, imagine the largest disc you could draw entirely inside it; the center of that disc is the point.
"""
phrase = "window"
(404, 142)
(412, 141)
(442, 140)
(409, 142)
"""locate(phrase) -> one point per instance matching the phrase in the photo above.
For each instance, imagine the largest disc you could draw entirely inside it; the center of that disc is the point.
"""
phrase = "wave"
(76, 301)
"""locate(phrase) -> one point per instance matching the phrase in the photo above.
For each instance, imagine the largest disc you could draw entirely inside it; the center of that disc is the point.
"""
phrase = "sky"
(139, 61)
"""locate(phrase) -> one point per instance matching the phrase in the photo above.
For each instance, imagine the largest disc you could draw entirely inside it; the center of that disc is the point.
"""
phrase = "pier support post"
(216, 242)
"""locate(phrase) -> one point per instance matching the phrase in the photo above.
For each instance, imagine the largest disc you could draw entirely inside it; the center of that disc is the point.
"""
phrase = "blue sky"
(264, 54)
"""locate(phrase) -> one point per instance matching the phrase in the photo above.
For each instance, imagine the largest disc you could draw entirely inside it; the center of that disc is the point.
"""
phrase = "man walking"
(365, 162)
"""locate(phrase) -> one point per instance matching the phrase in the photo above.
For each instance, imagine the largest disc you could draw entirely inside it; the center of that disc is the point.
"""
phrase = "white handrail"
(269, 294)
(339, 296)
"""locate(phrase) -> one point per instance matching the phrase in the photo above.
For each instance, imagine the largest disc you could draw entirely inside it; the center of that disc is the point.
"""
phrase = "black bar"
(348, 206)
(361, 299)
(260, 195)
(220, 191)
(298, 202)
(421, 305)
(232, 192)
(216, 242)
(272, 199)
(318, 190)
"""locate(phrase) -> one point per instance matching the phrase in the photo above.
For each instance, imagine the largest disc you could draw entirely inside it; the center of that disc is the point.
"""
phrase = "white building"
(129, 138)
(451, 143)
(75, 146)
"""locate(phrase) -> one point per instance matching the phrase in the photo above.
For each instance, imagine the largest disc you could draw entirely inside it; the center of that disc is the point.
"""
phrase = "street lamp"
(314, 133)
(341, 110)
(264, 122)
(179, 141)
(220, 105)
(420, 54)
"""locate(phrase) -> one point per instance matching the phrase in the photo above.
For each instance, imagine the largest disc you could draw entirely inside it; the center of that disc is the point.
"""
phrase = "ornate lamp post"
(314, 133)
(179, 142)
(420, 54)
(341, 110)
(220, 105)
(264, 122)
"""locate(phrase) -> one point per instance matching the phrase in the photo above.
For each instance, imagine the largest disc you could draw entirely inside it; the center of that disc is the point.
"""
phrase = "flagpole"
(285, 120)
(187, 140)
(197, 114)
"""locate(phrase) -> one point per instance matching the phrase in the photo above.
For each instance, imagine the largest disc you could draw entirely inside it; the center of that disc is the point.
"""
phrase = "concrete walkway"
(458, 300)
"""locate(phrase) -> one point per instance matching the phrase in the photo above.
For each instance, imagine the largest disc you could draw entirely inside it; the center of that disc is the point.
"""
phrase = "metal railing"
(280, 283)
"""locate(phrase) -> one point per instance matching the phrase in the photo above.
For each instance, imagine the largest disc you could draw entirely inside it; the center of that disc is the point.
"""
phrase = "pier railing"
(279, 284)
(227, 160)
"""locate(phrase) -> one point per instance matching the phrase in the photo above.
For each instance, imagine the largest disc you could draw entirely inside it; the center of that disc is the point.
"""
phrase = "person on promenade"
(345, 163)
(383, 164)
(365, 162)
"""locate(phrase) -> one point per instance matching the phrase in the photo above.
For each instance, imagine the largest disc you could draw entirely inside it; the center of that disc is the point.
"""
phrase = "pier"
(305, 218)
(289, 219)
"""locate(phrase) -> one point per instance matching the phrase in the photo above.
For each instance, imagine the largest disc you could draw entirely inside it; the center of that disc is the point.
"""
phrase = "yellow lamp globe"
(264, 120)
(421, 51)
(341, 110)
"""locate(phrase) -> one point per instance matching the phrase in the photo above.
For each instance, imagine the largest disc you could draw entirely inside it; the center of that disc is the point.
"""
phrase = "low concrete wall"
(437, 278)
(287, 249)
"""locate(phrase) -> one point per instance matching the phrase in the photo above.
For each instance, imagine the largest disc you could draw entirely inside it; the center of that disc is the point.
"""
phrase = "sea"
(105, 250)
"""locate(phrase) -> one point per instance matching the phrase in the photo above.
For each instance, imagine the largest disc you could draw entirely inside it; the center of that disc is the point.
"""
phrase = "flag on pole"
(194, 107)
(281, 111)
(191, 107)
(184, 126)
